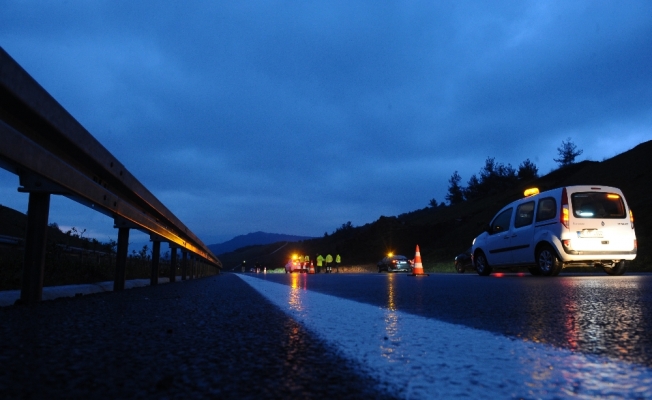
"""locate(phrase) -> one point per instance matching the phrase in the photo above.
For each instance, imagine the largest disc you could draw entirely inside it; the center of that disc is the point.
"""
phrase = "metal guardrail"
(53, 153)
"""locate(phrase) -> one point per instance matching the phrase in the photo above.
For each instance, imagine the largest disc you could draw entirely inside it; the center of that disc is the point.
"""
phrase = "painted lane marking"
(416, 357)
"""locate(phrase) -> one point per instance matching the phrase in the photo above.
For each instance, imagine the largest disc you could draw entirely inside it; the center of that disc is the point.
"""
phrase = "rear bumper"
(576, 256)
(598, 253)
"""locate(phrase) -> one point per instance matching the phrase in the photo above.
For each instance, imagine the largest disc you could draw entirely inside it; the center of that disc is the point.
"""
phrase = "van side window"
(501, 222)
(547, 209)
(524, 214)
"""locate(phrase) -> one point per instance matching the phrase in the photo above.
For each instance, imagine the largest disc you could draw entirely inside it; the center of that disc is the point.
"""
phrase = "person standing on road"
(329, 259)
(338, 260)
(320, 261)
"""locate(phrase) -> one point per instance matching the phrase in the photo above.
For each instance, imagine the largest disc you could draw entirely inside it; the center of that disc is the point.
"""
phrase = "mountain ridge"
(254, 239)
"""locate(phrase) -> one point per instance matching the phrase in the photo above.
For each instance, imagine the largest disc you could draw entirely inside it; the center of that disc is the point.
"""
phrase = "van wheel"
(617, 268)
(547, 261)
(481, 264)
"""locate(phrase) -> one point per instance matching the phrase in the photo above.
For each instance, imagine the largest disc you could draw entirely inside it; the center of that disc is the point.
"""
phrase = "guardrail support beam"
(173, 264)
(184, 265)
(121, 260)
(156, 256)
(38, 211)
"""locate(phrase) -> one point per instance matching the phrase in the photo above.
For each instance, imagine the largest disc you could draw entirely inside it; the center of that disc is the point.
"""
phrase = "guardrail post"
(121, 260)
(38, 210)
(173, 264)
(156, 255)
(184, 264)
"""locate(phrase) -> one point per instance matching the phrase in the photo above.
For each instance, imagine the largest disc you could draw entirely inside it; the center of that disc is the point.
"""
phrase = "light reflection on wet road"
(592, 314)
(585, 318)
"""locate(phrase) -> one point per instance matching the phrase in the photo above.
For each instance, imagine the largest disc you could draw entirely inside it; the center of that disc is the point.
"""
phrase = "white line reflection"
(430, 358)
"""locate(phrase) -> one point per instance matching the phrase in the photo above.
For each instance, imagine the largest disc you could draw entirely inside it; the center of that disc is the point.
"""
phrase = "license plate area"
(589, 233)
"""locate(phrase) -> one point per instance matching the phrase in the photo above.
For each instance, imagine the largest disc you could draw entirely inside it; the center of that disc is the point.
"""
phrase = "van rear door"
(600, 221)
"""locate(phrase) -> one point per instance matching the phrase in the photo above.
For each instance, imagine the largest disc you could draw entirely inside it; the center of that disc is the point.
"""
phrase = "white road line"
(416, 357)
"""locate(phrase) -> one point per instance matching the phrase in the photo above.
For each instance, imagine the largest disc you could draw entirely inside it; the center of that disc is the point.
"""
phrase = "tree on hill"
(567, 153)
(527, 170)
(455, 191)
(344, 228)
(473, 188)
(433, 203)
(494, 177)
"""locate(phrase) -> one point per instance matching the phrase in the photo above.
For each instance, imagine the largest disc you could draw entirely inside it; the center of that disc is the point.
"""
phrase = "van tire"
(618, 268)
(481, 264)
(547, 261)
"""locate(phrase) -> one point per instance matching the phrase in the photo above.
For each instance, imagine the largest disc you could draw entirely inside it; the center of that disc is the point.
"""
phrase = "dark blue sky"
(297, 116)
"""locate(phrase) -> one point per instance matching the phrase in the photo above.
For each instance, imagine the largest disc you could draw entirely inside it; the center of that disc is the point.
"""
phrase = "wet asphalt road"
(208, 338)
(217, 337)
(593, 314)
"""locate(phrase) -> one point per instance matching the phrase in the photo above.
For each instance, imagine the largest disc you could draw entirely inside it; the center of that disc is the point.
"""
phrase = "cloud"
(298, 117)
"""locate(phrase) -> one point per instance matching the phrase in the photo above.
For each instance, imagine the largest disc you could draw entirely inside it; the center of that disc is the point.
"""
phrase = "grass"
(439, 267)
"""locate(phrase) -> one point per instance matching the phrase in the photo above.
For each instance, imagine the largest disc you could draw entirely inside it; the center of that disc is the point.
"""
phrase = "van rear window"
(598, 205)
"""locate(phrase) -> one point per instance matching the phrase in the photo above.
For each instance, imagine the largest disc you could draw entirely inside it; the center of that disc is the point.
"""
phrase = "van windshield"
(598, 205)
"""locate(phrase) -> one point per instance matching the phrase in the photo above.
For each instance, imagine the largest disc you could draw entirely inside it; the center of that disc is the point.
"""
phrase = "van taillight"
(563, 212)
(631, 218)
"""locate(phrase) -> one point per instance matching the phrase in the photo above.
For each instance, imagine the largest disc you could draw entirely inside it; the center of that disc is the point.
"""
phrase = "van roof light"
(531, 192)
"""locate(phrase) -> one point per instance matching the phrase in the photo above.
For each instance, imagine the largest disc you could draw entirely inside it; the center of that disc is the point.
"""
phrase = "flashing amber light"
(613, 196)
(294, 256)
(531, 192)
(390, 254)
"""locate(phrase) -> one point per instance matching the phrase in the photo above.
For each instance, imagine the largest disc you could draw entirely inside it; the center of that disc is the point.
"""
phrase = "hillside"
(254, 238)
(443, 232)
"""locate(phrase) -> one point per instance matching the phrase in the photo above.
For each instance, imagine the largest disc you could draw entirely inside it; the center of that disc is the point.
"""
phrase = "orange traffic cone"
(417, 270)
(312, 268)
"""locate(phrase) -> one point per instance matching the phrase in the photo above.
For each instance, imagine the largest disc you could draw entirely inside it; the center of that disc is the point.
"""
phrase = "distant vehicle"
(394, 263)
(573, 226)
(296, 266)
(464, 261)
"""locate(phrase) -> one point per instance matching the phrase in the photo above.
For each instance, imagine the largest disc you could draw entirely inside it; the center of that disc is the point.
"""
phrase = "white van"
(564, 227)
